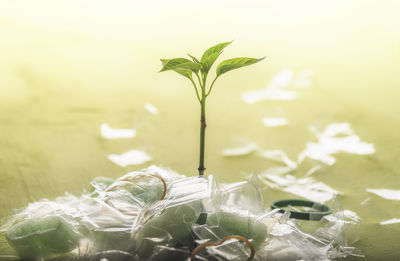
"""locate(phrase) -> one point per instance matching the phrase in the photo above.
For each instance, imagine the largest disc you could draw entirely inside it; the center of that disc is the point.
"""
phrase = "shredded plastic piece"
(302, 79)
(390, 194)
(308, 187)
(329, 142)
(132, 178)
(240, 151)
(151, 108)
(274, 91)
(278, 155)
(110, 133)
(132, 157)
(136, 177)
(390, 221)
(156, 214)
(275, 122)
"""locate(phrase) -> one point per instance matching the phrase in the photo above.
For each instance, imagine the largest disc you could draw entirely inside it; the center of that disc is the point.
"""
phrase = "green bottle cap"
(317, 212)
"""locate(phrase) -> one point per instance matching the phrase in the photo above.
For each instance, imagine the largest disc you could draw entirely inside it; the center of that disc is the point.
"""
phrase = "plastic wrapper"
(238, 216)
(42, 237)
(157, 214)
(95, 222)
(168, 223)
(291, 239)
(112, 212)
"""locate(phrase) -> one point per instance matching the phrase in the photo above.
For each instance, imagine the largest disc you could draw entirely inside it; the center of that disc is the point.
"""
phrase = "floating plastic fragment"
(308, 188)
(110, 133)
(274, 91)
(390, 221)
(275, 155)
(240, 151)
(278, 155)
(330, 143)
(312, 171)
(132, 157)
(365, 201)
(151, 108)
(302, 79)
(386, 193)
(275, 122)
(276, 171)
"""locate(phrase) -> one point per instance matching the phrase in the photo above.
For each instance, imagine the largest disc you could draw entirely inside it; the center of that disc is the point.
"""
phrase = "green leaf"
(209, 56)
(169, 64)
(193, 58)
(186, 73)
(235, 63)
(179, 63)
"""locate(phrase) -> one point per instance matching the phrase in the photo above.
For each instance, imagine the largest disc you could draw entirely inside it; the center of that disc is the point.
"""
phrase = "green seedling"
(200, 68)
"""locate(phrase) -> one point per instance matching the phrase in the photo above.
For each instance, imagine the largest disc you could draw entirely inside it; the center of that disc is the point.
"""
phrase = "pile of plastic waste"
(157, 214)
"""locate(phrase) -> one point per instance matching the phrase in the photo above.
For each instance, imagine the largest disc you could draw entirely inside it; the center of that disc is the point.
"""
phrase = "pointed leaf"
(179, 63)
(194, 58)
(186, 73)
(171, 64)
(209, 56)
(235, 63)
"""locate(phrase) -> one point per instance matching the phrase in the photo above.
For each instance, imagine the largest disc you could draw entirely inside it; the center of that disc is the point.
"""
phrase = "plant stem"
(212, 84)
(195, 88)
(203, 126)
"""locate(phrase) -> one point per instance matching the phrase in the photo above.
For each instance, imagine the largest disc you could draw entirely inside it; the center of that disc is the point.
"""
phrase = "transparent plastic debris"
(302, 79)
(274, 171)
(275, 122)
(132, 157)
(390, 221)
(98, 221)
(44, 229)
(241, 205)
(151, 108)
(307, 187)
(113, 255)
(157, 214)
(278, 155)
(328, 239)
(121, 204)
(245, 197)
(335, 138)
(274, 91)
(340, 232)
(111, 133)
(365, 201)
(250, 147)
(312, 170)
(37, 238)
(241, 150)
(168, 222)
(389, 194)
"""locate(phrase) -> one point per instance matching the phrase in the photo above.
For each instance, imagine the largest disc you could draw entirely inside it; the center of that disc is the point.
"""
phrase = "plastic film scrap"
(157, 214)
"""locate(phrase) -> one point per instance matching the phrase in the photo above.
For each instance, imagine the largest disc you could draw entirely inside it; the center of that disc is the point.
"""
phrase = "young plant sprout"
(200, 68)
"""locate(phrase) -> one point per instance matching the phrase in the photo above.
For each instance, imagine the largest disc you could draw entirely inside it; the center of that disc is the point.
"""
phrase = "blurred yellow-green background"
(66, 67)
